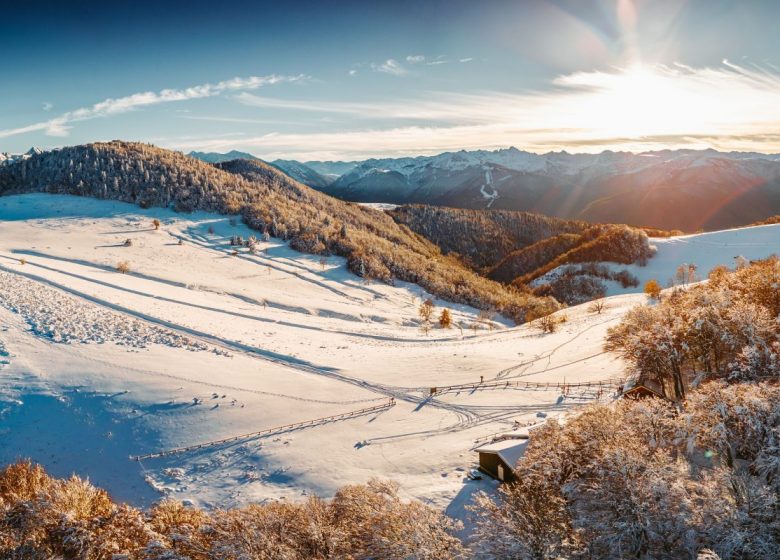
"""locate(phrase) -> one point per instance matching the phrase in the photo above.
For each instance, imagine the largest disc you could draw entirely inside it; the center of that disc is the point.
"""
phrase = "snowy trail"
(273, 264)
(226, 344)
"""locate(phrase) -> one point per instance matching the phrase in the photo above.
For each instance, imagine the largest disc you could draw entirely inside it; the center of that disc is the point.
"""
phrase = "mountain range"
(687, 190)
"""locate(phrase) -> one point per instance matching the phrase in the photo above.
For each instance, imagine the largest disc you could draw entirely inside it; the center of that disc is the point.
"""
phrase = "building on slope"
(639, 388)
(498, 459)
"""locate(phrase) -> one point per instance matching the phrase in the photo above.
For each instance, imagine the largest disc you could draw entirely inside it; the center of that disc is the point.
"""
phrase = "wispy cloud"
(60, 126)
(390, 66)
(237, 120)
(444, 107)
(635, 109)
(468, 59)
(396, 68)
(46, 106)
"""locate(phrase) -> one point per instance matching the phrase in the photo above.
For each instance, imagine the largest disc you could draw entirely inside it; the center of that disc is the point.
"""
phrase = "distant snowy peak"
(7, 158)
(551, 163)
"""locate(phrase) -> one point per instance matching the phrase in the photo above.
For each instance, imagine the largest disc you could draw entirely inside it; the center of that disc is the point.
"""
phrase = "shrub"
(123, 267)
(597, 306)
(426, 310)
(42, 517)
(156, 224)
(547, 324)
(653, 289)
(445, 319)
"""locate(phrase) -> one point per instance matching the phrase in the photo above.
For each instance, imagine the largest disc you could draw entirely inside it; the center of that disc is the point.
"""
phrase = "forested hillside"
(482, 237)
(270, 202)
(519, 247)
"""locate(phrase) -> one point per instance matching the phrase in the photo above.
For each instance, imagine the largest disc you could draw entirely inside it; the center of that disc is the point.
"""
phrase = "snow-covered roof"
(510, 450)
(634, 382)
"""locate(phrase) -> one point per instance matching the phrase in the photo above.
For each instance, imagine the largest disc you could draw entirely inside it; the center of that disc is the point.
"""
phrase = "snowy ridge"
(562, 163)
(8, 158)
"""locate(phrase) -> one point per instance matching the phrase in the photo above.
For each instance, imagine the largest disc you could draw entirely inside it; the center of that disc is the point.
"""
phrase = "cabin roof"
(509, 450)
(636, 384)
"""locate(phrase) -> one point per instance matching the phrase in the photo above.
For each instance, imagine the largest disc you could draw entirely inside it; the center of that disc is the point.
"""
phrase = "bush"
(597, 306)
(445, 319)
(653, 289)
(123, 267)
(547, 324)
(426, 310)
(42, 517)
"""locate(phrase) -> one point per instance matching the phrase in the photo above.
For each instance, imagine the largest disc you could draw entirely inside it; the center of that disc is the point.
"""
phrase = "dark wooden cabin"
(643, 388)
(498, 459)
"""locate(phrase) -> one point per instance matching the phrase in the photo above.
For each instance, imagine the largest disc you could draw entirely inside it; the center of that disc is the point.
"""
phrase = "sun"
(641, 102)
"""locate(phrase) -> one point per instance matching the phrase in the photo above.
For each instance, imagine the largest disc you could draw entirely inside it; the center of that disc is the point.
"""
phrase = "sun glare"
(635, 103)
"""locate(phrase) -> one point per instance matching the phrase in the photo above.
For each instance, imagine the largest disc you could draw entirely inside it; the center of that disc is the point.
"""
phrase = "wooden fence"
(602, 384)
(269, 431)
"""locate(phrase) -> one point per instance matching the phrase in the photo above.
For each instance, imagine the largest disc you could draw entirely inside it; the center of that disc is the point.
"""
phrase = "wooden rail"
(269, 431)
(599, 384)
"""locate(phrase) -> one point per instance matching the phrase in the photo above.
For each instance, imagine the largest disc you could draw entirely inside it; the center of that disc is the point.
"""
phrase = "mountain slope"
(302, 173)
(671, 189)
(215, 157)
(270, 202)
(481, 237)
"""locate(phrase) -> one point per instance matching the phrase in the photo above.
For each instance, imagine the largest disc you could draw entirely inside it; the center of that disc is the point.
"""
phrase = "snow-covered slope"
(197, 344)
(704, 251)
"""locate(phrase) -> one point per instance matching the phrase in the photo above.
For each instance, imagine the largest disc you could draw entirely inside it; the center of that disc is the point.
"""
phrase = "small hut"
(638, 388)
(498, 459)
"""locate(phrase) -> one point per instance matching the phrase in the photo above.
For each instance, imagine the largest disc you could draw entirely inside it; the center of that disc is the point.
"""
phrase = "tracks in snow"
(467, 416)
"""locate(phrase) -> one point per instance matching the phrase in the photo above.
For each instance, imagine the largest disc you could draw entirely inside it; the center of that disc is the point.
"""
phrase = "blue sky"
(345, 80)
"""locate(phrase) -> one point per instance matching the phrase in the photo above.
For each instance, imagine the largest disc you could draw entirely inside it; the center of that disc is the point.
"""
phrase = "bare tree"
(597, 306)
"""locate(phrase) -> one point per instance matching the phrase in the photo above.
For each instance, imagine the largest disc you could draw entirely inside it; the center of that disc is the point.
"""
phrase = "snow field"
(296, 339)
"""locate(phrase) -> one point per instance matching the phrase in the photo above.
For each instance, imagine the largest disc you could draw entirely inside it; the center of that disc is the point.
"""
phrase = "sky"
(342, 80)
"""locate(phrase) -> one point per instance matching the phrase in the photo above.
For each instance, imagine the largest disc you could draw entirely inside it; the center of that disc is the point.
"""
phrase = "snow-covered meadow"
(197, 344)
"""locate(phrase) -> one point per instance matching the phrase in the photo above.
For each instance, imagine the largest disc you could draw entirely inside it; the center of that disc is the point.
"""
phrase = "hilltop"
(273, 204)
